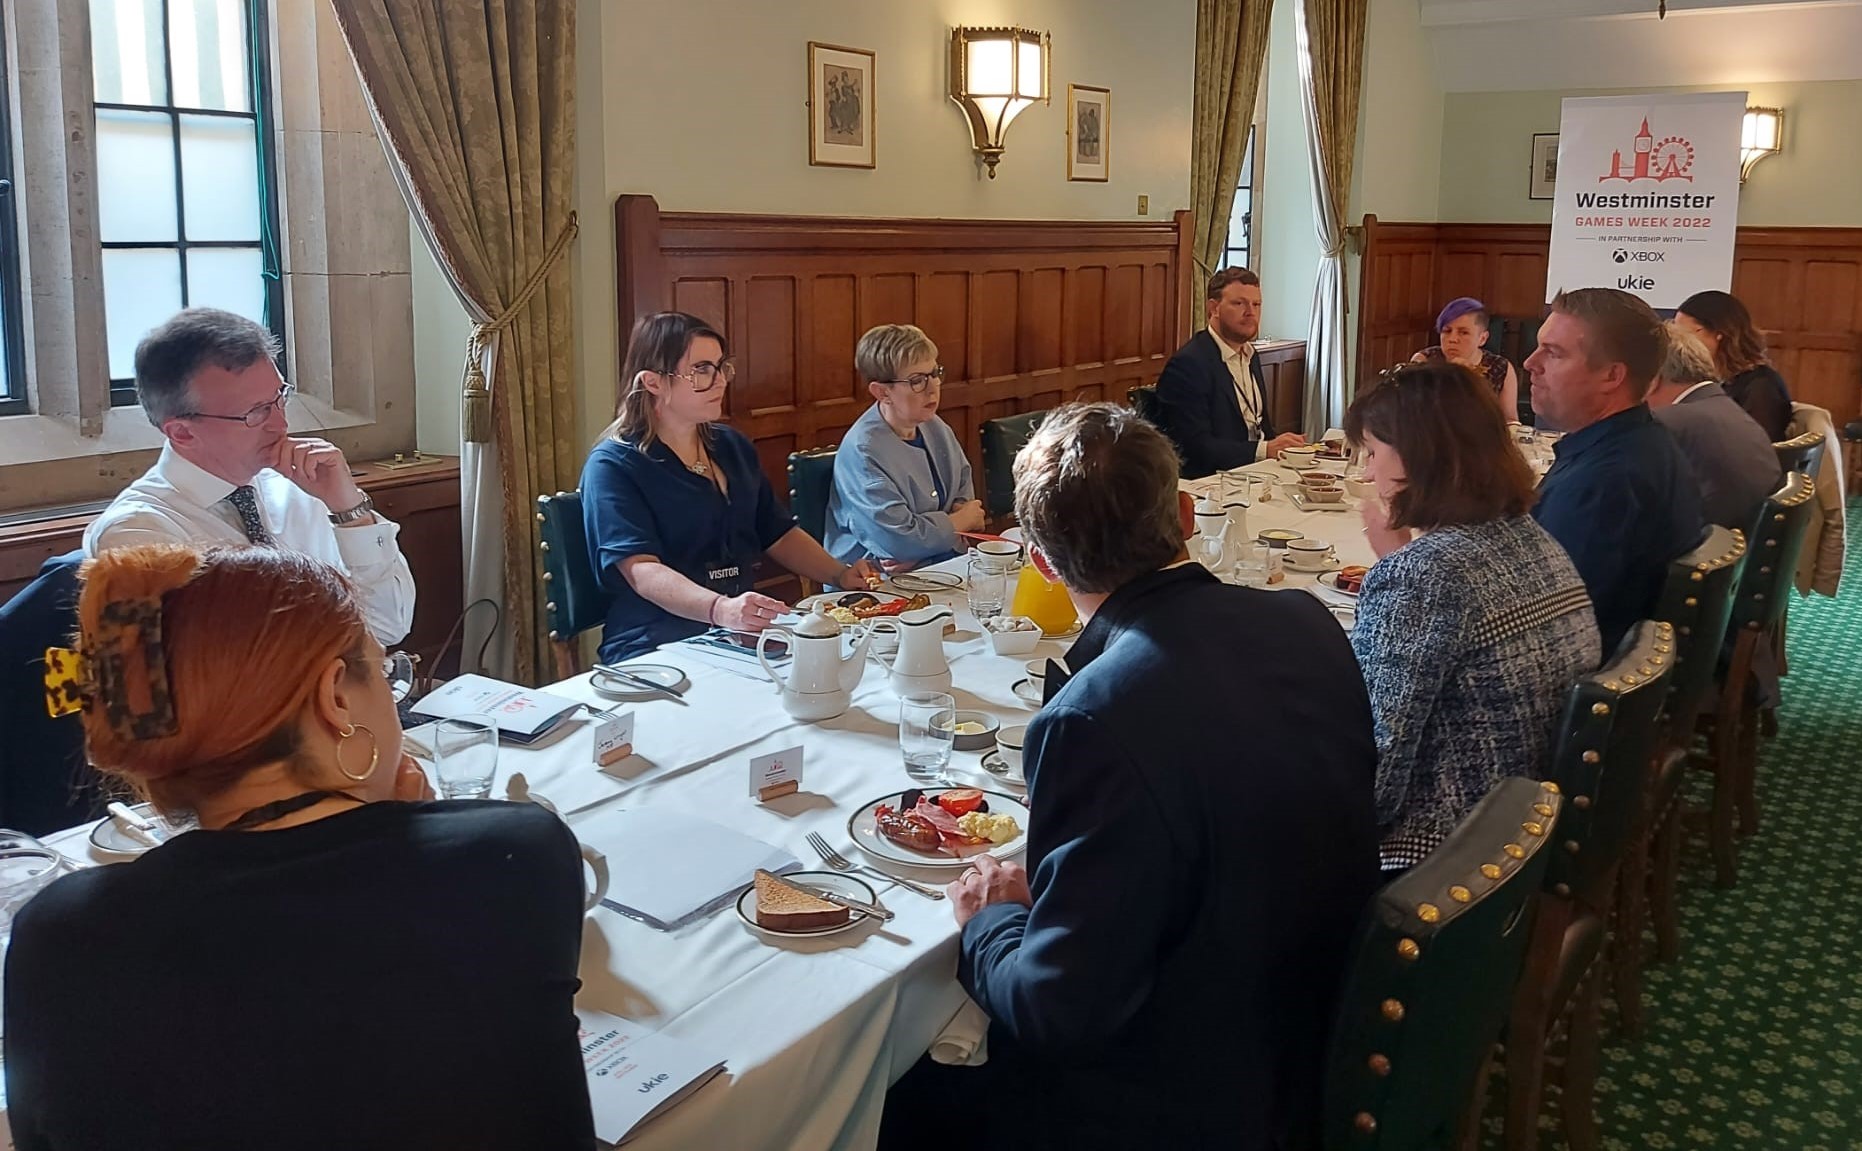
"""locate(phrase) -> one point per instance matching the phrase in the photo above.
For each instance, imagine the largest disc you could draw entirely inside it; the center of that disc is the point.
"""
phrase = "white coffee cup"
(1308, 554)
(1009, 747)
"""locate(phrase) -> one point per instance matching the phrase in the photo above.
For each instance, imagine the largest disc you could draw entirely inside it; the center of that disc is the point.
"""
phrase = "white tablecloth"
(812, 1031)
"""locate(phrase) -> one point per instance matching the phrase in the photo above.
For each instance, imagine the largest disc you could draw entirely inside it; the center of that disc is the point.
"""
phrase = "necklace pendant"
(699, 469)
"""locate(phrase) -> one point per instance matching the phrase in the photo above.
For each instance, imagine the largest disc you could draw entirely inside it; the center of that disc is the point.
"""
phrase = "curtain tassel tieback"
(475, 398)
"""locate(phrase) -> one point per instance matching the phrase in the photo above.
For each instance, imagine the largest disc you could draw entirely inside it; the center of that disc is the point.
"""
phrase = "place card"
(777, 774)
(614, 736)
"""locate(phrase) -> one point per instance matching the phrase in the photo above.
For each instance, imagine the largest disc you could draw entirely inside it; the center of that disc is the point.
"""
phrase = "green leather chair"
(574, 600)
(1611, 729)
(1431, 977)
(1143, 400)
(1002, 438)
(1696, 600)
(811, 479)
(1759, 602)
(1801, 453)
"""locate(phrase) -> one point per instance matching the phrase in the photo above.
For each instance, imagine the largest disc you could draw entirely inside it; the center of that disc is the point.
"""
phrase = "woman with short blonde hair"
(903, 488)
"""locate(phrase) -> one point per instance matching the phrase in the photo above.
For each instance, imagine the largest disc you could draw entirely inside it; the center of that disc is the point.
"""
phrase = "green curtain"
(1231, 49)
(475, 102)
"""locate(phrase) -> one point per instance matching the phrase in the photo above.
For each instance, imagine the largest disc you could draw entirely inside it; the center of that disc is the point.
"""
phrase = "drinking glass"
(26, 866)
(927, 728)
(465, 756)
(1251, 565)
(988, 581)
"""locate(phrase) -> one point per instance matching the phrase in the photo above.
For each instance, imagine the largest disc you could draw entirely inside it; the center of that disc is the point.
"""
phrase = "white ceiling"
(1526, 45)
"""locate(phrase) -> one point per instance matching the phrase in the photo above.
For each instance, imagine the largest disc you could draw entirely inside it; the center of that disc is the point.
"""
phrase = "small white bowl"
(1014, 642)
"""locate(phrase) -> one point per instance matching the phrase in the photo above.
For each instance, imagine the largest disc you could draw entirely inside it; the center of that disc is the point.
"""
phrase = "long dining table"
(811, 1031)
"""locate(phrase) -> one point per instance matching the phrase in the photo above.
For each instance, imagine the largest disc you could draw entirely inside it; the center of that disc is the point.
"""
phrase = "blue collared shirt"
(1624, 503)
(637, 503)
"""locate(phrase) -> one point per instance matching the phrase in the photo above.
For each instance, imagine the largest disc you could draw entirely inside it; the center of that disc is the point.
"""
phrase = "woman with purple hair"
(1462, 327)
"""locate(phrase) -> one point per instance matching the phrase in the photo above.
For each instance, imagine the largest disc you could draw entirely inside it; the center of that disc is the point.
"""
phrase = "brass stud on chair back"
(1431, 977)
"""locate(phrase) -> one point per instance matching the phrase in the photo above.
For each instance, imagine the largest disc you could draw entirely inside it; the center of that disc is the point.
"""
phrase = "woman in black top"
(1738, 348)
(329, 961)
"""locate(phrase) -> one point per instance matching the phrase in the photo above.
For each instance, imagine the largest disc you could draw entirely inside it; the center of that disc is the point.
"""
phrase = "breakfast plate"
(926, 581)
(832, 881)
(1330, 579)
(661, 675)
(833, 599)
(1028, 693)
(864, 827)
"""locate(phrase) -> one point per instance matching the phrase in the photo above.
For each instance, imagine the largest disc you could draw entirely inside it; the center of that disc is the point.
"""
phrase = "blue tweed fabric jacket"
(1468, 637)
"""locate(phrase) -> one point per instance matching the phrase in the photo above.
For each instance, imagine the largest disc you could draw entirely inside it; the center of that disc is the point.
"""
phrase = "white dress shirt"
(1247, 392)
(178, 502)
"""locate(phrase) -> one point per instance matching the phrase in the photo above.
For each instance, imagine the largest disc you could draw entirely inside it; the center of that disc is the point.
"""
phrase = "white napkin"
(1331, 596)
(964, 1042)
(669, 868)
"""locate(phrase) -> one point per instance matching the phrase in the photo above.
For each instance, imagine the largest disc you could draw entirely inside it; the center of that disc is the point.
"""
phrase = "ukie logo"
(1636, 283)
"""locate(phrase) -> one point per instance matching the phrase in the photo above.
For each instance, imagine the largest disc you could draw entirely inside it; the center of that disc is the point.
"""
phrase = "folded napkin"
(1331, 596)
(964, 1042)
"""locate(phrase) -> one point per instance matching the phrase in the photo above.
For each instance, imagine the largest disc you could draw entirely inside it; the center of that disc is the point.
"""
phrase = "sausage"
(908, 829)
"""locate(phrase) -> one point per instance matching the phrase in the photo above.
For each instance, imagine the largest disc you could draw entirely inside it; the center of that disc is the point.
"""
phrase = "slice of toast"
(782, 906)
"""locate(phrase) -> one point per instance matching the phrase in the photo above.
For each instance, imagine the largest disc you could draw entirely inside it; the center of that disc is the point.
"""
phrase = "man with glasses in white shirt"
(231, 473)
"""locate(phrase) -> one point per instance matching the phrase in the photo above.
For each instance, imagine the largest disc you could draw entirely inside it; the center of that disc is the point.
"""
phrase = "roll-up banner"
(1647, 196)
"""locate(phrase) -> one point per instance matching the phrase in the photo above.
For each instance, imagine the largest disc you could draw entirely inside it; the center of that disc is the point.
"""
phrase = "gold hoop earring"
(374, 753)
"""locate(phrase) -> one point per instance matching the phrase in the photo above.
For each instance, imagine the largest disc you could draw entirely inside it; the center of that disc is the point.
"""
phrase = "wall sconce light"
(1761, 134)
(994, 74)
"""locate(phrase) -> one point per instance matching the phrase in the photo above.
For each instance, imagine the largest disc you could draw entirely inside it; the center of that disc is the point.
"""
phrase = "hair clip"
(132, 689)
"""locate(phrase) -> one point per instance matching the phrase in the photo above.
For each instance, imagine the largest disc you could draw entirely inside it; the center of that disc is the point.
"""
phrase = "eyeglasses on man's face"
(921, 381)
(706, 376)
(257, 414)
(397, 667)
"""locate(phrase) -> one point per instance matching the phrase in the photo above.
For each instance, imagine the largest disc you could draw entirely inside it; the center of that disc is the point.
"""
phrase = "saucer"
(1330, 565)
(994, 765)
(1028, 693)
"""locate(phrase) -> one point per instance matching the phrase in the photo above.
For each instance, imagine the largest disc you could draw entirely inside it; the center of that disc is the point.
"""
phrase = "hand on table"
(410, 782)
(860, 575)
(749, 612)
(318, 467)
(1280, 443)
(967, 515)
(1384, 538)
(990, 881)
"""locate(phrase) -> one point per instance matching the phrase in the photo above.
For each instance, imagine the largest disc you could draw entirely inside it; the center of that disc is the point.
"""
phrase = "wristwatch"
(361, 511)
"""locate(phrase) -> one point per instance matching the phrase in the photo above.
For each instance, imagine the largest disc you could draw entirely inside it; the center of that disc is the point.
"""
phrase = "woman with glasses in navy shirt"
(675, 504)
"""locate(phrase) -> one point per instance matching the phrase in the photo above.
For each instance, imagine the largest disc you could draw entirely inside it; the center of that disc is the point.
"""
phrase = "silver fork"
(838, 862)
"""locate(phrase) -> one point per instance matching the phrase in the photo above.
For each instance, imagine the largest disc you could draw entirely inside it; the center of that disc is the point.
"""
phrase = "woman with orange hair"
(330, 960)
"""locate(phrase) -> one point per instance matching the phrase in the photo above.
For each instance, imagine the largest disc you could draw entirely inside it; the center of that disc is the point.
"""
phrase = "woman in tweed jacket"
(1473, 621)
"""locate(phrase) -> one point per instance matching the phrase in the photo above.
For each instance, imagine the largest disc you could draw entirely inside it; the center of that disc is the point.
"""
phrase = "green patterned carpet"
(1754, 1040)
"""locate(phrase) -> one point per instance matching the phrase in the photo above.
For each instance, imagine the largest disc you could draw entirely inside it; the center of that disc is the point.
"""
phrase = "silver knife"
(839, 900)
(628, 677)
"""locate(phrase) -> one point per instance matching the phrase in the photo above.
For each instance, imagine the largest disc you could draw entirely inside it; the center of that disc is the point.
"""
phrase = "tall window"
(1241, 215)
(187, 210)
(12, 346)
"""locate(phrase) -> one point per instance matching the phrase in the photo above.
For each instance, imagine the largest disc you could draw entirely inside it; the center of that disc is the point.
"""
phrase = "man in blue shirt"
(1621, 497)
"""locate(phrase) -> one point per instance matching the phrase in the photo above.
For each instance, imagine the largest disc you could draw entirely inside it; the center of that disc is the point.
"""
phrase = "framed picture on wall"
(1544, 166)
(841, 107)
(1089, 132)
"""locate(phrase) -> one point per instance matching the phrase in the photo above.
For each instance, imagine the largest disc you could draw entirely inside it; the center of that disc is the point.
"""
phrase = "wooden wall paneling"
(1026, 314)
(1803, 285)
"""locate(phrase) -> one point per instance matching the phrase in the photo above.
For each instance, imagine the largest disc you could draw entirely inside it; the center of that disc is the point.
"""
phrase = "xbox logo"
(1621, 255)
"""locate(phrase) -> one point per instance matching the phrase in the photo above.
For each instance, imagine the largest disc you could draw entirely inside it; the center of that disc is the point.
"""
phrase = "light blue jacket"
(886, 503)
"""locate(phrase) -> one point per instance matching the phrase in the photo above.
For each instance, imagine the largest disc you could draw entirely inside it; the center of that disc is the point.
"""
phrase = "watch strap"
(360, 511)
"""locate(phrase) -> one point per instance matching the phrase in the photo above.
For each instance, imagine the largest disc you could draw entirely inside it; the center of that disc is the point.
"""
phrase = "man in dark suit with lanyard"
(1211, 398)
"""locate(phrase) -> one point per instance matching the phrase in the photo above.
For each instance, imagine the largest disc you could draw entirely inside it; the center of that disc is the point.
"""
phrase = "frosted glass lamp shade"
(994, 74)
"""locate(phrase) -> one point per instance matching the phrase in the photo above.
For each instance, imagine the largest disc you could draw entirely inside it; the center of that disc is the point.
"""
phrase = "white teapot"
(821, 677)
(920, 664)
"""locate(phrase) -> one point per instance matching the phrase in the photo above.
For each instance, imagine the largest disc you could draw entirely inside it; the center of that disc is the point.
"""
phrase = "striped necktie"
(245, 502)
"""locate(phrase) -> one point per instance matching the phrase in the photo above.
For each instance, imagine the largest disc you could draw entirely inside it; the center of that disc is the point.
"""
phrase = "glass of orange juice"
(1043, 602)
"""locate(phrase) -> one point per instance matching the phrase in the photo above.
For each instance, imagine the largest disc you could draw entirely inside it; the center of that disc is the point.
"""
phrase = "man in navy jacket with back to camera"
(1163, 973)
